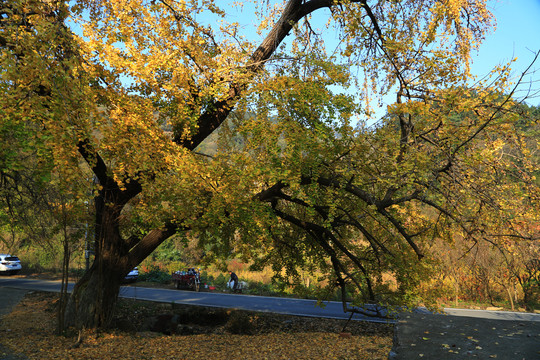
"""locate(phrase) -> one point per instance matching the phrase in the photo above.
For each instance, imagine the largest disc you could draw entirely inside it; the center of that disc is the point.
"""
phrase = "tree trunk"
(62, 303)
(456, 292)
(94, 296)
(510, 297)
(93, 299)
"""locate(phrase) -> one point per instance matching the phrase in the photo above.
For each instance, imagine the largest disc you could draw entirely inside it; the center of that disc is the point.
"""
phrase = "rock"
(239, 323)
(165, 324)
(184, 330)
(125, 325)
(148, 334)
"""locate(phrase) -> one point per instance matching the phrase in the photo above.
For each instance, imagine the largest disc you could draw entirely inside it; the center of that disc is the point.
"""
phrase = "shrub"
(239, 323)
(155, 275)
(258, 288)
(221, 281)
(207, 279)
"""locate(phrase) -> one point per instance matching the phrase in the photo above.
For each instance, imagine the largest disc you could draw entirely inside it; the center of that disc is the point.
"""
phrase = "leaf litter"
(29, 330)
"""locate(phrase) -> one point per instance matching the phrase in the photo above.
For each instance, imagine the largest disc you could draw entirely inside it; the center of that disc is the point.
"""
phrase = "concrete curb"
(393, 354)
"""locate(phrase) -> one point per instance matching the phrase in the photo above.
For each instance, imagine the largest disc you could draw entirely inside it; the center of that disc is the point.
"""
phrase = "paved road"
(331, 309)
(494, 315)
(445, 337)
(10, 298)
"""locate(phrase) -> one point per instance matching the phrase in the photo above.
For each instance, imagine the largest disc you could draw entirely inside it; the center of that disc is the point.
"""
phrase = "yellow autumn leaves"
(30, 330)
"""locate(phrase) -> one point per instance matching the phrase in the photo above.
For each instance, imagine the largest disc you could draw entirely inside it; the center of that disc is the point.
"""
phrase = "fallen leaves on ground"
(29, 330)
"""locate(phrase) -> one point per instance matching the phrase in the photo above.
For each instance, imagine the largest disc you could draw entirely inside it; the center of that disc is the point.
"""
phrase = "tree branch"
(294, 11)
(150, 242)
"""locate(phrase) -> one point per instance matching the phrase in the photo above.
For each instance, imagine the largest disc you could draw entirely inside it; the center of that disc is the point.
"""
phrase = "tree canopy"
(298, 179)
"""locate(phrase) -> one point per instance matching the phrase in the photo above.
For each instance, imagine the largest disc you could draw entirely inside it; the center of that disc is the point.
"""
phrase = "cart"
(190, 279)
(240, 286)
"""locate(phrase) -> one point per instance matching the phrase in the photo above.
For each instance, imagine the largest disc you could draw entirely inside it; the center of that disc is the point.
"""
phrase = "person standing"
(234, 280)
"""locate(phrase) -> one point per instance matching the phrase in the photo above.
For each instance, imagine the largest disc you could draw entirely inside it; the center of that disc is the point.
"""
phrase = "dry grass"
(29, 331)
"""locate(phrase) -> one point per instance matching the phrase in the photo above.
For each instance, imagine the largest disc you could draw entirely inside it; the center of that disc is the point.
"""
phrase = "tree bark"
(94, 297)
(95, 294)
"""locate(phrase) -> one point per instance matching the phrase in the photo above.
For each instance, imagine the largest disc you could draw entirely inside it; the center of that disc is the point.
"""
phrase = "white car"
(132, 276)
(9, 264)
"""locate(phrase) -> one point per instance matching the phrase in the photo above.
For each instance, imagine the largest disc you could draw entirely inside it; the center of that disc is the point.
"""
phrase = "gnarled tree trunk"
(94, 297)
(95, 294)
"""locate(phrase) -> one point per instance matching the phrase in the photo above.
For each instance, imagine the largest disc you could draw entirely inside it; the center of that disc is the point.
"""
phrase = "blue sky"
(517, 35)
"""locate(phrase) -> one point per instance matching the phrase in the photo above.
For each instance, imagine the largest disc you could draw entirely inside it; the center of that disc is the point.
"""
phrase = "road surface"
(289, 306)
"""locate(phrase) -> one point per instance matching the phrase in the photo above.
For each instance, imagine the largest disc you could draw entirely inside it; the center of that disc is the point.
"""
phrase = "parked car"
(132, 276)
(9, 264)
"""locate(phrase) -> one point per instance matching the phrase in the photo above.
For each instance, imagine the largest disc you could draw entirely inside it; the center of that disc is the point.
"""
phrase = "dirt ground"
(144, 330)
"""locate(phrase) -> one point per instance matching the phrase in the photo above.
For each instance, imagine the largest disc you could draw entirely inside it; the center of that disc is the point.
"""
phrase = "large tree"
(297, 181)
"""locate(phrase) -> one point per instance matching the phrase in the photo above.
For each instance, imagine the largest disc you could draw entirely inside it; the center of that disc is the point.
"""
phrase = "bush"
(39, 258)
(155, 275)
(239, 323)
(221, 281)
(258, 288)
(207, 279)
